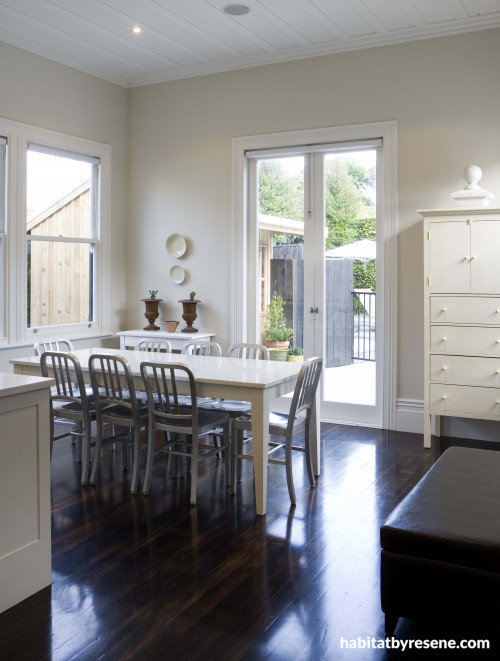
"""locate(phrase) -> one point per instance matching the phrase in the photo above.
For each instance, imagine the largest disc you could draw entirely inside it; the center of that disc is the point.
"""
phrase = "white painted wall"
(42, 93)
(444, 94)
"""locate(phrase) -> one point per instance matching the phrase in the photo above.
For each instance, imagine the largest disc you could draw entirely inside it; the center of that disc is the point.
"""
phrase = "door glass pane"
(350, 277)
(281, 242)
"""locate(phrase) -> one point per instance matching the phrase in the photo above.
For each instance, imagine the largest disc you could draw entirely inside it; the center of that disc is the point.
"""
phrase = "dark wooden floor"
(152, 578)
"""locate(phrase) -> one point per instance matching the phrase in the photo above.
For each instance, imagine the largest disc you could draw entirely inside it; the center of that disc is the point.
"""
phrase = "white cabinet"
(461, 315)
(25, 544)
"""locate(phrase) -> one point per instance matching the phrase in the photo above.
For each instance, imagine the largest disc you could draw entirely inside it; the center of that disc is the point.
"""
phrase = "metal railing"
(363, 341)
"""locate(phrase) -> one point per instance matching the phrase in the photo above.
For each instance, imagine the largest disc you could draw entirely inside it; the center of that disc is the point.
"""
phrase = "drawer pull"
(444, 339)
(445, 308)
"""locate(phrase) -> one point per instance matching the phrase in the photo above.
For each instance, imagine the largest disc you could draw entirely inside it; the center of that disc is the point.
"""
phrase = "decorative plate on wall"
(176, 245)
(177, 274)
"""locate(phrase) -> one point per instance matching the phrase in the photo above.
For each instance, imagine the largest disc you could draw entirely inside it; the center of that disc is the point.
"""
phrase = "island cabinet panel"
(461, 315)
(25, 544)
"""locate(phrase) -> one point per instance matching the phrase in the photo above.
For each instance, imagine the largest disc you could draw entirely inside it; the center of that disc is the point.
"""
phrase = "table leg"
(260, 439)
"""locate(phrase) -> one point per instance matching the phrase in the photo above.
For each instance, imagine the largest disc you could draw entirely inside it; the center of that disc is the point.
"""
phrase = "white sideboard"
(461, 315)
(128, 339)
(25, 546)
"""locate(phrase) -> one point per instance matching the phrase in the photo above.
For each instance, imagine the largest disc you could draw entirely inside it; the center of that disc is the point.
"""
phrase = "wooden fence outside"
(287, 279)
(59, 273)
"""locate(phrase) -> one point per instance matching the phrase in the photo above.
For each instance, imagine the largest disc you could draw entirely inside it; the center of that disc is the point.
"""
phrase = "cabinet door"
(449, 257)
(485, 261)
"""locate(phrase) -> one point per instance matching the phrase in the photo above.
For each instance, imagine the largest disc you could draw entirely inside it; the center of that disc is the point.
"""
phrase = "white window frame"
(15, 329)
(244, 274)
(3, 213)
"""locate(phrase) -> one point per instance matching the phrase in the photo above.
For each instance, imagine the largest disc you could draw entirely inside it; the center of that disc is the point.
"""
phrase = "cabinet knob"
(445, 368)
(498, 310)
(498, 401)
(444, 339)
(444, 396)
(498, 341)
(444, 309)
(498, 371)
(473, 257)
(466, 257)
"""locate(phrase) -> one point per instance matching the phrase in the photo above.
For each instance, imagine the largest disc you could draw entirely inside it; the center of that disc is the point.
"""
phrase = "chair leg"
(85, 453)
(51, 434)
(135, 459)
(194, 470)
(289, 472)
(227, 453)
(149, 460)
(97, 451)
(307, 445)
(125, 456)
(77, 439)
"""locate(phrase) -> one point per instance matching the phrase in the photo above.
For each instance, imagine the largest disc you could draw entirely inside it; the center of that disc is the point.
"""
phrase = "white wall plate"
(177, 274)
(176, 245)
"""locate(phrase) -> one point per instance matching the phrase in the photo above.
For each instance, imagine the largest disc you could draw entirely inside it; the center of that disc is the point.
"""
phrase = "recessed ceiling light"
(136, 30)
(236, 10)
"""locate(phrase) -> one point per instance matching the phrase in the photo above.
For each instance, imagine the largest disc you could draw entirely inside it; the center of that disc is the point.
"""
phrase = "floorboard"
(152, 578)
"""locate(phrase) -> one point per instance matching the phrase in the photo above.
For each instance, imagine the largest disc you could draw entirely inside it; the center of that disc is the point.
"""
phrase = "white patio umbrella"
(364, 250)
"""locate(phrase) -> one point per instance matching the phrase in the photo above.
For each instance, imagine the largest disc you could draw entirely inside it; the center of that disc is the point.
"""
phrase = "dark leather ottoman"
(441, 545)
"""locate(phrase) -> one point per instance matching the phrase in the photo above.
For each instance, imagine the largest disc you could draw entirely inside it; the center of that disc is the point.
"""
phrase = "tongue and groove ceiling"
(185, 38)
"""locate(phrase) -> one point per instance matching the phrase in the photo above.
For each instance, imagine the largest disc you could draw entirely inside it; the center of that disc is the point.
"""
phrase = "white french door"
(330, 273)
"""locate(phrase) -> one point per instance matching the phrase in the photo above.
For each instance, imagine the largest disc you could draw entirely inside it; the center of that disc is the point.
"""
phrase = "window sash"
(20, 137)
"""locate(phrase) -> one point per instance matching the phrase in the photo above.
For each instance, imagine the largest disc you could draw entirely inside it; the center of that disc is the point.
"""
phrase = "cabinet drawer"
(465, 340)
(465, 370)
(463, 400)
(465, 310)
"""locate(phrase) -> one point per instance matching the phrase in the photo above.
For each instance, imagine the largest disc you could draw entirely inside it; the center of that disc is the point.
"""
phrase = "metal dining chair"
(153, 345)
(284, 426)
(69, 401)
(202, 348)
(248, 350)
(60, 344)
(116, 404)
(183, 425)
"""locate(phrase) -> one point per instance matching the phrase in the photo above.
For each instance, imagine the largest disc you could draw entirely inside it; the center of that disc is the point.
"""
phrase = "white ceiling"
(184, 38)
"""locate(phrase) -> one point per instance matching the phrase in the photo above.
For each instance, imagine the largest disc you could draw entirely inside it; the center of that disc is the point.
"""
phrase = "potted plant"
(152, 311)
(189, 312)
(277, 333)
(295, 355)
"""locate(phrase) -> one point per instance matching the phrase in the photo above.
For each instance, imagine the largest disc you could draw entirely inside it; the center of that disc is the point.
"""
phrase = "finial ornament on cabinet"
(472, 195)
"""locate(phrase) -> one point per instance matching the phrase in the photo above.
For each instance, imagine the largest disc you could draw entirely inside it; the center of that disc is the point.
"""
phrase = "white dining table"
(254, 381)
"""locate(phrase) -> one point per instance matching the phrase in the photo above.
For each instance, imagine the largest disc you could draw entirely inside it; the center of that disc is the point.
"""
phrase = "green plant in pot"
(295, 355)
(277, 333)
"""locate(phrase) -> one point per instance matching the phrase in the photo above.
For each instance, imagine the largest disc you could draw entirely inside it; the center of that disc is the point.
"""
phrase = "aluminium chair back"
(153, 345)
(68, 398)
(304, 392)
(202, 348)
(60, 344)
(113, 387)
(248, 350)
(166, 407)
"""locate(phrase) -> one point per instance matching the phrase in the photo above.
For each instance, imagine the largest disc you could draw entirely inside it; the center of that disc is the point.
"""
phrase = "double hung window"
(54, 234)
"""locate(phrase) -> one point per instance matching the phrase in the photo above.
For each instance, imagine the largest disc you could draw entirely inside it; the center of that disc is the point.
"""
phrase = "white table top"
(206, 369)
(15, 384)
